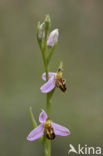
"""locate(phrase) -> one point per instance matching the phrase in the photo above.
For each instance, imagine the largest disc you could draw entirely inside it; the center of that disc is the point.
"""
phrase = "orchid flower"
(53, 38)
(55, 80)
(47, 128)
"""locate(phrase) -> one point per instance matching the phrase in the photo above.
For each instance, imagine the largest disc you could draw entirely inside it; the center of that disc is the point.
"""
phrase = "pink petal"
(60, 130)
(48, 86)
(50, 75)
(43, 116)
(36, 133)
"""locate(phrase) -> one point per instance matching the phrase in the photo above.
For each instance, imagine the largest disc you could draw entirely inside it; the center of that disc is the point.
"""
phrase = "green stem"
(48, 106)
(47, 147)
(47, 143)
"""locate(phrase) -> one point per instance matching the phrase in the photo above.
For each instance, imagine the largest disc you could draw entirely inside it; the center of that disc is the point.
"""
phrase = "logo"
(85, 150)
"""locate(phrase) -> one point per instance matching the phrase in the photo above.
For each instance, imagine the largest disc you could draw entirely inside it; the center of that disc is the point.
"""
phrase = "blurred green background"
(80, 47)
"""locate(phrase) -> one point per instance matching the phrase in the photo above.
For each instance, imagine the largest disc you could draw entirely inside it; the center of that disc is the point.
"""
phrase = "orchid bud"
(53, 38)
(47, 22)
(41, 33)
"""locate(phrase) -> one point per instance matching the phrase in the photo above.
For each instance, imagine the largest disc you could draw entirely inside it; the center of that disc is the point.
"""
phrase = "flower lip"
(49, 130)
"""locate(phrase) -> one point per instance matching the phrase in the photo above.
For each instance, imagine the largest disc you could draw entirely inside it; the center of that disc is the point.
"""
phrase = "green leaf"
(32, 118)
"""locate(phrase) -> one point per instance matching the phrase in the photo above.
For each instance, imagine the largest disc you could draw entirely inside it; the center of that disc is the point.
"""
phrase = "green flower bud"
(47, 25)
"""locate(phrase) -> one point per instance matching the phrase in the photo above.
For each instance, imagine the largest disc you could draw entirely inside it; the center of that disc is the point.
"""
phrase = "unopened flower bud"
(53, 38)
(41, 33)
(47, 22)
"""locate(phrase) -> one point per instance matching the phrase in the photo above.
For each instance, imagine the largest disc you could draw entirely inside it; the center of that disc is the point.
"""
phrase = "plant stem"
(47, 147)
(47, 143)
(48, 106)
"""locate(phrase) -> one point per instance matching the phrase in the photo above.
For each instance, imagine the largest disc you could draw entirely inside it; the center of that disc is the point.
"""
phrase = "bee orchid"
(55, 80)
(47, 128)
